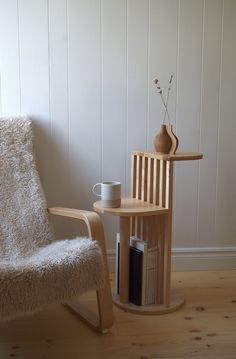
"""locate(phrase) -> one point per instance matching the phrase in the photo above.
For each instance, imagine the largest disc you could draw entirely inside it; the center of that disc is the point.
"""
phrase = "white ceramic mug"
(110, 193)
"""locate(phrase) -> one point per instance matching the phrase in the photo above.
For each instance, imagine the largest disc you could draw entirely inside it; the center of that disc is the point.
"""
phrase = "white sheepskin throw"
(35, 269)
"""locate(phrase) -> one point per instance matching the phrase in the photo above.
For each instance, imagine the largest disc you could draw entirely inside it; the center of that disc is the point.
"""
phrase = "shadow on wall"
(56, 173)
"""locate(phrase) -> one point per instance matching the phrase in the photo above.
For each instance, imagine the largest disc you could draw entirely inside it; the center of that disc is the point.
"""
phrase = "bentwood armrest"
(92, 220)
(104, 299)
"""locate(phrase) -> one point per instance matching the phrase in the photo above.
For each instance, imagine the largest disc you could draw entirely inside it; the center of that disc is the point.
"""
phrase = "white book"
(152, 258)
(151, 290)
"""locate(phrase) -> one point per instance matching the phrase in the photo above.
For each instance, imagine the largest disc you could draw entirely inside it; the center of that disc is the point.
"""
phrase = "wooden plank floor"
(204, 328)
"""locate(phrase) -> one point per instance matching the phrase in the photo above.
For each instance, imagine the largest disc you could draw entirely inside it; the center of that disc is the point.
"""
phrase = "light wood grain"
(168, 240)
(178, 156)
(148, 184)
(104, 319)
(176, 301)
(205, 327)
(130, 207)
(124, 259)
(160, 233)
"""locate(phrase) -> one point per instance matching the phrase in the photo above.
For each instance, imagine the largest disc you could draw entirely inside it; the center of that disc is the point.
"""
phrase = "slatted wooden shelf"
(147, 214)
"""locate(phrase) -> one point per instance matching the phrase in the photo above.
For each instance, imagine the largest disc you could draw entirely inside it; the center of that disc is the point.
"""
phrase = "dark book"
(135, 276)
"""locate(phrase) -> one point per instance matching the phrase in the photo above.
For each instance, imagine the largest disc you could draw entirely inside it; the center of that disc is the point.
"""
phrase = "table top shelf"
(179, 156)
(131, 207)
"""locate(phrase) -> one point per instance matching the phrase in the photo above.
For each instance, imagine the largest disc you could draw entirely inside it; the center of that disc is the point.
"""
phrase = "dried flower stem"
(167, 99)
(163, 101)
(166, 110)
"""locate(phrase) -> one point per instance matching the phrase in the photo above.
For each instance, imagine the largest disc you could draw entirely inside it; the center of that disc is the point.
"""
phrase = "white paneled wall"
(84, 71)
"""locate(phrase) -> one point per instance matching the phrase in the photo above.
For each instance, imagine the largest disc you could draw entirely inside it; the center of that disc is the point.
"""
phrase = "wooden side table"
(147, 214)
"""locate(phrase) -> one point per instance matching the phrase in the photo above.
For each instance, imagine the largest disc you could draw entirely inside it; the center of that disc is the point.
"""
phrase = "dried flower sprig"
(167, 98)
(165, 103)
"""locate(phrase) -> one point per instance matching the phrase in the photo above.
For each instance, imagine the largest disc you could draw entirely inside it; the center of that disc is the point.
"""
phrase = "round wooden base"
(177, 300)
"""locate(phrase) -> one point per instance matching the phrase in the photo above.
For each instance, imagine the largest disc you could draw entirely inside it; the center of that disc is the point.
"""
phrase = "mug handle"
(96, 194)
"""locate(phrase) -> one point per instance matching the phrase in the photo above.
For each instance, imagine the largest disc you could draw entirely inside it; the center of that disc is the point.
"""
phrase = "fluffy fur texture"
(35, 270)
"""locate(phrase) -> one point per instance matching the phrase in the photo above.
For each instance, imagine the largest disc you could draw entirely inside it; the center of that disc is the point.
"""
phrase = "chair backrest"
(24, 224)
(150, 178)
(150, 182)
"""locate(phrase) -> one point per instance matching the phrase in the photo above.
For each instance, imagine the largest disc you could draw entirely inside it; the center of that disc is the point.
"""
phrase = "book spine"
(117, 261)
(135, 278)
(142, 246)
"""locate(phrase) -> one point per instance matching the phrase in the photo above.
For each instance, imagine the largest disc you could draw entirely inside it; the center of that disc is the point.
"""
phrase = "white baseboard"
(190, 259)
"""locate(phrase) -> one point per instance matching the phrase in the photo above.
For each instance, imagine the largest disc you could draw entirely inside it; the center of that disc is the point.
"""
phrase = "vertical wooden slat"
(136, 226)
(141, 224)
(132, 226)
(124, 259)
(144, 228)
(143, 169)
(138, 177)
(160, 245)
(162, 183)
(147, 229)
(149, 187)
(167, 184)
(167, 242)
(154, 179)
(133, 175)
(153, 232)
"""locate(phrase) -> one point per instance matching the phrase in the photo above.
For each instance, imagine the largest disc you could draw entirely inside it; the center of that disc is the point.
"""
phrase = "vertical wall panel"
(114, 108)
(209, 121)
(61, 192)
(162, 61)
(114, 89)
(9, 58)
(58, 66)
(137, 78)
(188, 119)
(34, 67)
(84, 98)
(226, 194)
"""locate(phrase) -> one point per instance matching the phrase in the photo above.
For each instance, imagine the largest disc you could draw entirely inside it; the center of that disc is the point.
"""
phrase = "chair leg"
(104, 319)
(104, 298)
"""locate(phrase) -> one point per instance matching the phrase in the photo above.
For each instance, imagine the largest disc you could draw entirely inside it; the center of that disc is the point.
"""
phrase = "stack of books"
(142, 271)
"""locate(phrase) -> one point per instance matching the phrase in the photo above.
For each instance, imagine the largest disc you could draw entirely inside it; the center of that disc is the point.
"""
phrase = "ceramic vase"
(165, 141)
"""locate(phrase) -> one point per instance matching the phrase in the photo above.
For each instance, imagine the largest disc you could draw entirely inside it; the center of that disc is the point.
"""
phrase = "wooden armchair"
(36, 270)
